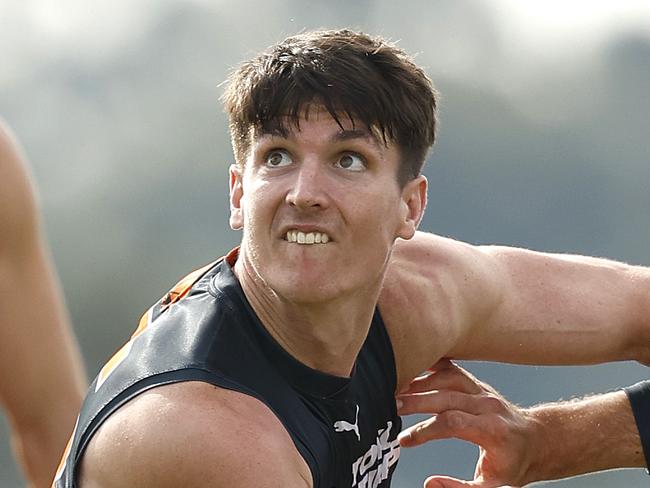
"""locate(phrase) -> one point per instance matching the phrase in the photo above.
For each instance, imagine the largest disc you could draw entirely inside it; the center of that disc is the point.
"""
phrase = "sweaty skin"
(438, 298)
(337, 182)
(42, 380)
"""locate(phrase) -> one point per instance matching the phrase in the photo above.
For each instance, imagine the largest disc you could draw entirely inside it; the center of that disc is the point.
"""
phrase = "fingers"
(443, 363)
(443, 426)
(441, 401)
(478, 429)
(447, 375)
(453, 378)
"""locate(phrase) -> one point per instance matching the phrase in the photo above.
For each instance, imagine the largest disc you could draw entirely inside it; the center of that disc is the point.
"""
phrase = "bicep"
(192, 435)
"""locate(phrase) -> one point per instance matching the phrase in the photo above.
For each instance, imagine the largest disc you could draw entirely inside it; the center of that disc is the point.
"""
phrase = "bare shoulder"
(434, 287)
(194, 435)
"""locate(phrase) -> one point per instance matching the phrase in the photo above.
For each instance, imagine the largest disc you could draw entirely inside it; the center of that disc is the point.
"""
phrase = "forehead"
(317, 122)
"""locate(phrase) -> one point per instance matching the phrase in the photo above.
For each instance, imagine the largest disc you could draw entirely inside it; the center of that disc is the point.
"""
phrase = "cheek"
(375, 233)
(381, 219)
(258, 206)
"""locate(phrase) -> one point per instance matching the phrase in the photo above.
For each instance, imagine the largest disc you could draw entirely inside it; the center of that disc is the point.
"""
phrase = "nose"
(308, 189)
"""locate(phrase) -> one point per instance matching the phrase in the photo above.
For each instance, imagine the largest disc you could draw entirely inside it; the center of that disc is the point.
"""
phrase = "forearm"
(583, 436)
(43, 393)
(38, 448)
(41, 373)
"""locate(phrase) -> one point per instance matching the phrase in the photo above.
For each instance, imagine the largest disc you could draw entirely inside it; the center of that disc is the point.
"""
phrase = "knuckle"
(421, 432)
(492, 402)
(454, 399)
(497, 429)
(423, 401)
(451, 419)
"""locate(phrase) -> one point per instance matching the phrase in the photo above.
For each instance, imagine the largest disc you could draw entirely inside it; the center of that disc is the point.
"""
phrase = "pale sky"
(563, 37)
(555, 25)
(536, 23)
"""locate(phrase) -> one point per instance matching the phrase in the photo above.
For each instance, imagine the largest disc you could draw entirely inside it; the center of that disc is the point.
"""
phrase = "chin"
(304, 288)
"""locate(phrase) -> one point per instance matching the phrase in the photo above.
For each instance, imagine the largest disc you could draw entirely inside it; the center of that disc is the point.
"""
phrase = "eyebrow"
(340, 136)
(346, 135)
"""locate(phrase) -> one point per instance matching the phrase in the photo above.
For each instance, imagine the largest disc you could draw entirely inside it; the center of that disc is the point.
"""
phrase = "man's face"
(320, 208)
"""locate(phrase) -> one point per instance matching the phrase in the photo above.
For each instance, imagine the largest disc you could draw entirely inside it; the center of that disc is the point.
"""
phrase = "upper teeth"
(307, 237)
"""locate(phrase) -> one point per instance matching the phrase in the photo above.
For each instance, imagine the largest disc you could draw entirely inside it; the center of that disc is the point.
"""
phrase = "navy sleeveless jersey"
(639, 396)
(205, 330)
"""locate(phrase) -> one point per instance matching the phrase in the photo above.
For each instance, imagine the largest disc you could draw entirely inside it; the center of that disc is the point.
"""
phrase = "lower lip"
(307, 245)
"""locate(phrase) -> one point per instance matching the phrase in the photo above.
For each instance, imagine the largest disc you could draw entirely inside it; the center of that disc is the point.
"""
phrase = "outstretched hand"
(465, 408)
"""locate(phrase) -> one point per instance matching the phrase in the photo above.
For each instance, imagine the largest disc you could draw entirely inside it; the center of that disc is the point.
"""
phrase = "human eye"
(277, 158)
(351, 162)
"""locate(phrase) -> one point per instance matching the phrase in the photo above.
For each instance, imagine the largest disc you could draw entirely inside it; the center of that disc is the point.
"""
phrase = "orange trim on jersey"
(231, 257)
(144, 322)
(123, 352)
(64, 458)
(183, 287)
(180, 289)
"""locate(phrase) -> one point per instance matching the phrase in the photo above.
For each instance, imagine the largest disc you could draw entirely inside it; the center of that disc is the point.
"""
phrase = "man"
(522, 445)
(41, 373)
(277, 365)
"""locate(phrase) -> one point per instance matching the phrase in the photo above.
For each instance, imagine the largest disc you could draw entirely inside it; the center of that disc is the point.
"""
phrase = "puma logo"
(343, 426)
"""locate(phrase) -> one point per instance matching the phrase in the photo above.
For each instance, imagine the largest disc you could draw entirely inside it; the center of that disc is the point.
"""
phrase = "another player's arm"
(41, 374)
(523, 445)
(587, 435)
(193, 435)
(507, 304)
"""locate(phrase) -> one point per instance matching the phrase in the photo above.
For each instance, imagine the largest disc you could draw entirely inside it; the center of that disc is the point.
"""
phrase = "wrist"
(540, 446)
(582, 436)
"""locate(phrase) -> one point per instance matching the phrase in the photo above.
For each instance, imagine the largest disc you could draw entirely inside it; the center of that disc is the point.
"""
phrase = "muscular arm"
(555, 308)
(193, 435)
(444, 298)
(521, 445)
(41, 374)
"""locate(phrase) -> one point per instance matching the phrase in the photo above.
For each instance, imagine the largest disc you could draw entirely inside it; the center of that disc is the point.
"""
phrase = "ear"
(236, 194)
(414, 201)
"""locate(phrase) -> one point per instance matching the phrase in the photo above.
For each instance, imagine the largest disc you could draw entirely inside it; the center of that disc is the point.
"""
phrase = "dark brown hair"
(351, 74)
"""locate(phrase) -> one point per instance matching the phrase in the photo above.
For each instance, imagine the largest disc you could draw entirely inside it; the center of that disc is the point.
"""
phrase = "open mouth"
(299, 237)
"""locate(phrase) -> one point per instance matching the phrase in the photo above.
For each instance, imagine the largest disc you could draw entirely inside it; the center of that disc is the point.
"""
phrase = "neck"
(325, 335)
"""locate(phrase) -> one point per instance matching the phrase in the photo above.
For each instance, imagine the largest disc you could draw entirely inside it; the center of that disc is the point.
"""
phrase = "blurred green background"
(544, 143)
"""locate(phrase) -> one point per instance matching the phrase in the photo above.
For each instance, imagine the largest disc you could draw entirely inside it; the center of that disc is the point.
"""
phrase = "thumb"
(446, 482)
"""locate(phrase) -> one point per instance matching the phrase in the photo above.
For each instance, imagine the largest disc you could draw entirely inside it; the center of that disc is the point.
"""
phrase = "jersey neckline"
(305, 378)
